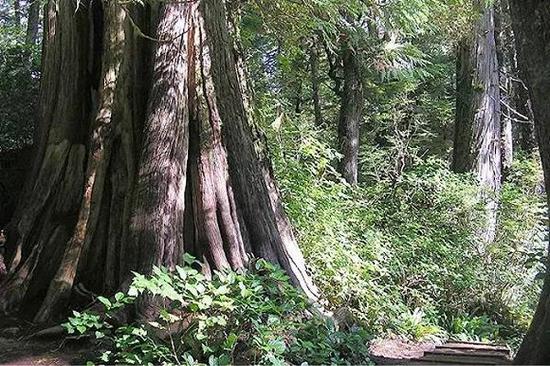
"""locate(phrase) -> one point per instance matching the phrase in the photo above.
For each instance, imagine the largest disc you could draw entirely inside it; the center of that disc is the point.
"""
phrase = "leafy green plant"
(253, 317)
(478, 328)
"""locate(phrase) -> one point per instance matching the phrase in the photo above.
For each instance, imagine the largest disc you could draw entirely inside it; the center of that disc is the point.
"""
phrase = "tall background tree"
(351, 111)
(477, 139)
(33, 20)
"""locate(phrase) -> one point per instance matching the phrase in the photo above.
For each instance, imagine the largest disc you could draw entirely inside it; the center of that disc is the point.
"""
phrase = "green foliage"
(403, 256)
(252, 317)
(474, 328)
(403, 250)
(19, 75)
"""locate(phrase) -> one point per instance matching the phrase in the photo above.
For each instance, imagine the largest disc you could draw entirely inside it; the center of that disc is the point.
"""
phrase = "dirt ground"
(32, 352)
(389, 350)
(21, 351)
(18, 346)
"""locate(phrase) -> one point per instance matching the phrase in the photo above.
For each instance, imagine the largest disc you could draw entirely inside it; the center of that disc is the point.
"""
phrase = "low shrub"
(250, 317)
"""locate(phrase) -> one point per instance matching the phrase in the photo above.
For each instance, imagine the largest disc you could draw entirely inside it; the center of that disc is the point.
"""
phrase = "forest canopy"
(275, 182)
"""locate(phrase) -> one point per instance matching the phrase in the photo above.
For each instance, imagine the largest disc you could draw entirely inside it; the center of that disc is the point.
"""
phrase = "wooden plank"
(419, 361)
(464, 359)
(469, 345)
(468, 351)
(474, 342)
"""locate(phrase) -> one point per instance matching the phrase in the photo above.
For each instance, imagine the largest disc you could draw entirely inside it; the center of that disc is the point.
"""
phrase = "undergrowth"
(403, 254)
(250, 317)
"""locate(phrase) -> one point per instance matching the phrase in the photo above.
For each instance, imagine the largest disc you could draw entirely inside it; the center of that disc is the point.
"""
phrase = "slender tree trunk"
(299, 98)
(531, 21)
(315, 84)
(161, 160)
(351, 114)
(477, 142)
(525, 118)
(507, 142)
(17, 11)
(517, 117)
(504, 39)
(32, 22)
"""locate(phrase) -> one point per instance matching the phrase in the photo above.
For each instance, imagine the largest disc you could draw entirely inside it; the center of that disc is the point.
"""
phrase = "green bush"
(250, 317)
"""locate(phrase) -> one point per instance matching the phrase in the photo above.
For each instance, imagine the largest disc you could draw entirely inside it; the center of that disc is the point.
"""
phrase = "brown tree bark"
(477, 146)
(531, 22)
(351, 114)
(147, 152)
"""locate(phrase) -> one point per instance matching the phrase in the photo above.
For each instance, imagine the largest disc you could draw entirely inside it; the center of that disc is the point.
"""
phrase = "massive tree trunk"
(351, 113)
(531, 22)
(146, 151)
(477, 138)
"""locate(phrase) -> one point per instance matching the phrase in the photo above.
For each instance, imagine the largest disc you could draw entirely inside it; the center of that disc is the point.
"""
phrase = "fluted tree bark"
(146, 152)
(531, 22)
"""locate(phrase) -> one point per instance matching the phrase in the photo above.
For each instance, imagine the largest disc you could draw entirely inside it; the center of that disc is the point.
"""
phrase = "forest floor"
(398, 348)
(19, 347)
(21, 350)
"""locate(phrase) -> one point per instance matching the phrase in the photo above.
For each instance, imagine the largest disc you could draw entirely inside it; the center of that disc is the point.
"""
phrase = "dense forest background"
(400, 249)
(402, 140)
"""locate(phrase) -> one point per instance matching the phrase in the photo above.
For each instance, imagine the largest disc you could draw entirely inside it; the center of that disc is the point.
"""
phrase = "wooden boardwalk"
(457, 353)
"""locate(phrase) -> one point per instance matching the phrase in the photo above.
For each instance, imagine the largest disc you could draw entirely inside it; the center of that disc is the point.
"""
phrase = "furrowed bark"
(65, 103)
(157, 223)
(98, 157)
(149, 153)
(351, 114)
(293, 260)
(477, 146)
(266, 224)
